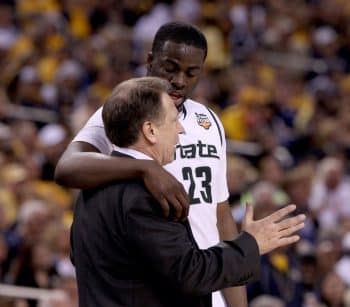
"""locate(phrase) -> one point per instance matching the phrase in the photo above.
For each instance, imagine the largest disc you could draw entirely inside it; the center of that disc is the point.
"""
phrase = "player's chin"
(178, 101)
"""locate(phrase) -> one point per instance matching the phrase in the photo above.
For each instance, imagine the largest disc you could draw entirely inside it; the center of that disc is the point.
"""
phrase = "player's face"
(181, 65)
(169, 130)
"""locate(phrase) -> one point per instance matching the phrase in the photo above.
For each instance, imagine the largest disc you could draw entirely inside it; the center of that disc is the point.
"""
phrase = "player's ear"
(149, 60)
(150, 131)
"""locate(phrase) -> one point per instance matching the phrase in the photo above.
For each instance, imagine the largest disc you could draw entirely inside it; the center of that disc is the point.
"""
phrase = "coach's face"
(181, 65)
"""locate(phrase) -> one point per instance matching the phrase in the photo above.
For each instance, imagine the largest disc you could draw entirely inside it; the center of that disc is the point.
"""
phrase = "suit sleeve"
(168, 248)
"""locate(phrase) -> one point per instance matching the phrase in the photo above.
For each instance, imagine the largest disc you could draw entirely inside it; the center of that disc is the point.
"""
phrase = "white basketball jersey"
(200, 164)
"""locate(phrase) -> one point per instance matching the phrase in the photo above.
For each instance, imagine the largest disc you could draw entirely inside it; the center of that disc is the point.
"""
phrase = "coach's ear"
(150, 132)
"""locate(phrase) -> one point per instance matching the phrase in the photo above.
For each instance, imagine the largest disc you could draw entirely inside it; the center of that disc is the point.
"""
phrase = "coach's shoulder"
(138, 198)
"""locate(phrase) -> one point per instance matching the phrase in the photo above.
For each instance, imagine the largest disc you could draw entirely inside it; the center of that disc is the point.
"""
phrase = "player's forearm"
(89, 169)
(226, 225)
(235, 296)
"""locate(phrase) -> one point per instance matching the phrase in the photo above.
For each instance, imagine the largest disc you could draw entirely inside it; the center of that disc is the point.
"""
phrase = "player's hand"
(169, 192)
(275, 230)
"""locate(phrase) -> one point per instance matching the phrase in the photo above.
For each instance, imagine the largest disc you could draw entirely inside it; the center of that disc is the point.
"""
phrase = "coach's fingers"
(288, 240)
(249, 215)
(280, 214)
(289, 222)
(291, 230)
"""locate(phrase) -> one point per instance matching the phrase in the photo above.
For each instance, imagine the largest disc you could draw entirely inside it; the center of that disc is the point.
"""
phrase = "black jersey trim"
(184, 111)
(217, 124)
(181, 108)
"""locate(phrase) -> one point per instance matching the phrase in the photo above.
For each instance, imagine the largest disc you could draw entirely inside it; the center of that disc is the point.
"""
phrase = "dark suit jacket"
(127, 254)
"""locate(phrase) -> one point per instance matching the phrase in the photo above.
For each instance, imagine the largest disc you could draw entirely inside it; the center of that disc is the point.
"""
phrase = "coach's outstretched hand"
(169, 192)
(275, 230)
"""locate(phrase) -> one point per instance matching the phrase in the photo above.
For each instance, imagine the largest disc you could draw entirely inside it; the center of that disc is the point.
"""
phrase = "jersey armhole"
(217, 125)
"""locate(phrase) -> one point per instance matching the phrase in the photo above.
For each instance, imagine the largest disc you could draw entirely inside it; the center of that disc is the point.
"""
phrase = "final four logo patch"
(203, 120)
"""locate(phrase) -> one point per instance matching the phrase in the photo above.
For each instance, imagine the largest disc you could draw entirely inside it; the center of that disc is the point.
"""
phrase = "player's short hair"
(131, 103)
(181, 33)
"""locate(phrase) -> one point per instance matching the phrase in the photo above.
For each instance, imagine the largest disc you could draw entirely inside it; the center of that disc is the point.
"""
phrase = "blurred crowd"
(278, 75)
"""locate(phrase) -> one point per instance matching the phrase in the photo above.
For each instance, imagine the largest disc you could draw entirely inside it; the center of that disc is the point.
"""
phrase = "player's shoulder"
(192, 106)
(205, 117)
(201, 110)
(96, 118)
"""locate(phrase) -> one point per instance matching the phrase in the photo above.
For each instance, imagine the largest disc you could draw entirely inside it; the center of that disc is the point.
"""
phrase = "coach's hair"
(131, 103)
(181, 33)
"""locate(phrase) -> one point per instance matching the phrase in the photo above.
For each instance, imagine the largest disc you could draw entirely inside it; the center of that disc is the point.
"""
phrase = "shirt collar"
(182, 109)
(133, 153)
